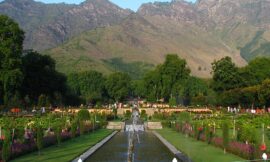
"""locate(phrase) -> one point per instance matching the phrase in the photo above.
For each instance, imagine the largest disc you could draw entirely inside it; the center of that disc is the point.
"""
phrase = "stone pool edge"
(94, 148)
(179, 155)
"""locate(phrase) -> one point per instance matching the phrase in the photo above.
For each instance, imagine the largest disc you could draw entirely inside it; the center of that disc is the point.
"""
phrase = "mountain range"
(99, 35)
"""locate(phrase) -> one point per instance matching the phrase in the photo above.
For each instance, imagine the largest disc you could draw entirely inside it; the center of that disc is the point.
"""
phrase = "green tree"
(166, 80)
(264, 93)
(173, 72)
(41, 76)
(172, 102)
(138, 88)
(11, 38)
(152, 85)
(249, 96)
(83, 115)
(256, 71)
(192, 87)
(15, 101)
(90, 84)
(118, 86)
(225, 75)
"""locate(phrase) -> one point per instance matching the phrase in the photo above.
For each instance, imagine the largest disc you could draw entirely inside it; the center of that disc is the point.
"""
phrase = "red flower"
(200, 128)
(263, 147)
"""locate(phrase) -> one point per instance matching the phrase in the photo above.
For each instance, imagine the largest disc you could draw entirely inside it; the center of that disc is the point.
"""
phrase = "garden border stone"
(93, 149)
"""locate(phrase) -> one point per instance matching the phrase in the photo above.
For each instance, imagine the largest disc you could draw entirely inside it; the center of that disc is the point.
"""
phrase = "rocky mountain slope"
(97, 34)
(48, 25)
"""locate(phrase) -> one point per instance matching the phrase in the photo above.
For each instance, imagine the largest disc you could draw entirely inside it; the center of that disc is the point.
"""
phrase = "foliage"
(152, 85)
(11, 75)
(172, 102)
(138, 88)
(57, 131)
(83, 115)
(90, 84)
(39, 140)
(225, 134)
(6, 149)
(118, 86)
(42, 100)
(247, 133)
(74, 126)
(127, 114)
(136, 70)
(184, 117)
(41, 77)
(192, 88)
(165, 80)
(225, 75)
(264, 93)
(143, 115)
(82, 127)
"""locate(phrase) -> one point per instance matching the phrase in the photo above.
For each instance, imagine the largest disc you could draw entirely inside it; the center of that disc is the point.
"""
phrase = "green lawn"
(68, 150)
(198, 151)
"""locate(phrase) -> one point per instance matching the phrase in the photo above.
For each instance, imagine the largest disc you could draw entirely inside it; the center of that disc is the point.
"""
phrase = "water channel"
(147, 149)
(133, 145)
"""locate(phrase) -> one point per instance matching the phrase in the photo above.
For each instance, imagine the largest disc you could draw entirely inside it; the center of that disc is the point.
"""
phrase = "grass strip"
(198, 151)
(68, 150)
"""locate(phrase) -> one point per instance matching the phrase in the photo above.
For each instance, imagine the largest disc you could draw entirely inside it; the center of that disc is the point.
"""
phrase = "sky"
(131, 4)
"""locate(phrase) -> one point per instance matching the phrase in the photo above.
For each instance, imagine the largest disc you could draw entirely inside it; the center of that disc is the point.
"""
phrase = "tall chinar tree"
(166, 80)
(225, 75)
(173, 72)
(11, 46)
(118, 86)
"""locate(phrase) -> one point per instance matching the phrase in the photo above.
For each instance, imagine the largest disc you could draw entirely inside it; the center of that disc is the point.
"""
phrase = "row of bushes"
(37, 142)
(248, 150)
(38, 133)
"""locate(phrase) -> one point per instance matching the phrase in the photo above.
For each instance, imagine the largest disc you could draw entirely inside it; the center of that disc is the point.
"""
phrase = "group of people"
(252, 110)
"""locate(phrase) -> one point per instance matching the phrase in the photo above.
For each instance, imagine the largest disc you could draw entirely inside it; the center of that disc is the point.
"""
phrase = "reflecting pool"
(148, 148)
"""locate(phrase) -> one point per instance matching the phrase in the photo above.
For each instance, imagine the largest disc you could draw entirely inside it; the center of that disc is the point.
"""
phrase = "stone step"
(115, 125)
(153, 125)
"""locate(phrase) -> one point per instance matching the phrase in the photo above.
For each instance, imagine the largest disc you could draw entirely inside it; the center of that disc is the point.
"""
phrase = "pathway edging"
(93, 149)
(177, 153)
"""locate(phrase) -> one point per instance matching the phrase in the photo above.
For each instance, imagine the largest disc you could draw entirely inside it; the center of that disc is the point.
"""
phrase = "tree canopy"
(225, 75)
(90, 85)
(118, 86)
(11, 38)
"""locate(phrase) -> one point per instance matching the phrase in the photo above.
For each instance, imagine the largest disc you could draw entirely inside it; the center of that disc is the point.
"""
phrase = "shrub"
(184, 117)
(6, 146)
(209, 134)
(247, 133)
(225, 135)
(82, 127)
(143, 115)
(128, 114)
(57, 131)
(39, 138)
(74, 126)
(83, 115)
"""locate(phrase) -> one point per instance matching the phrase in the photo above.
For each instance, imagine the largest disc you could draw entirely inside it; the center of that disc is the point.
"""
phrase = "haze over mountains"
(101, 36)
